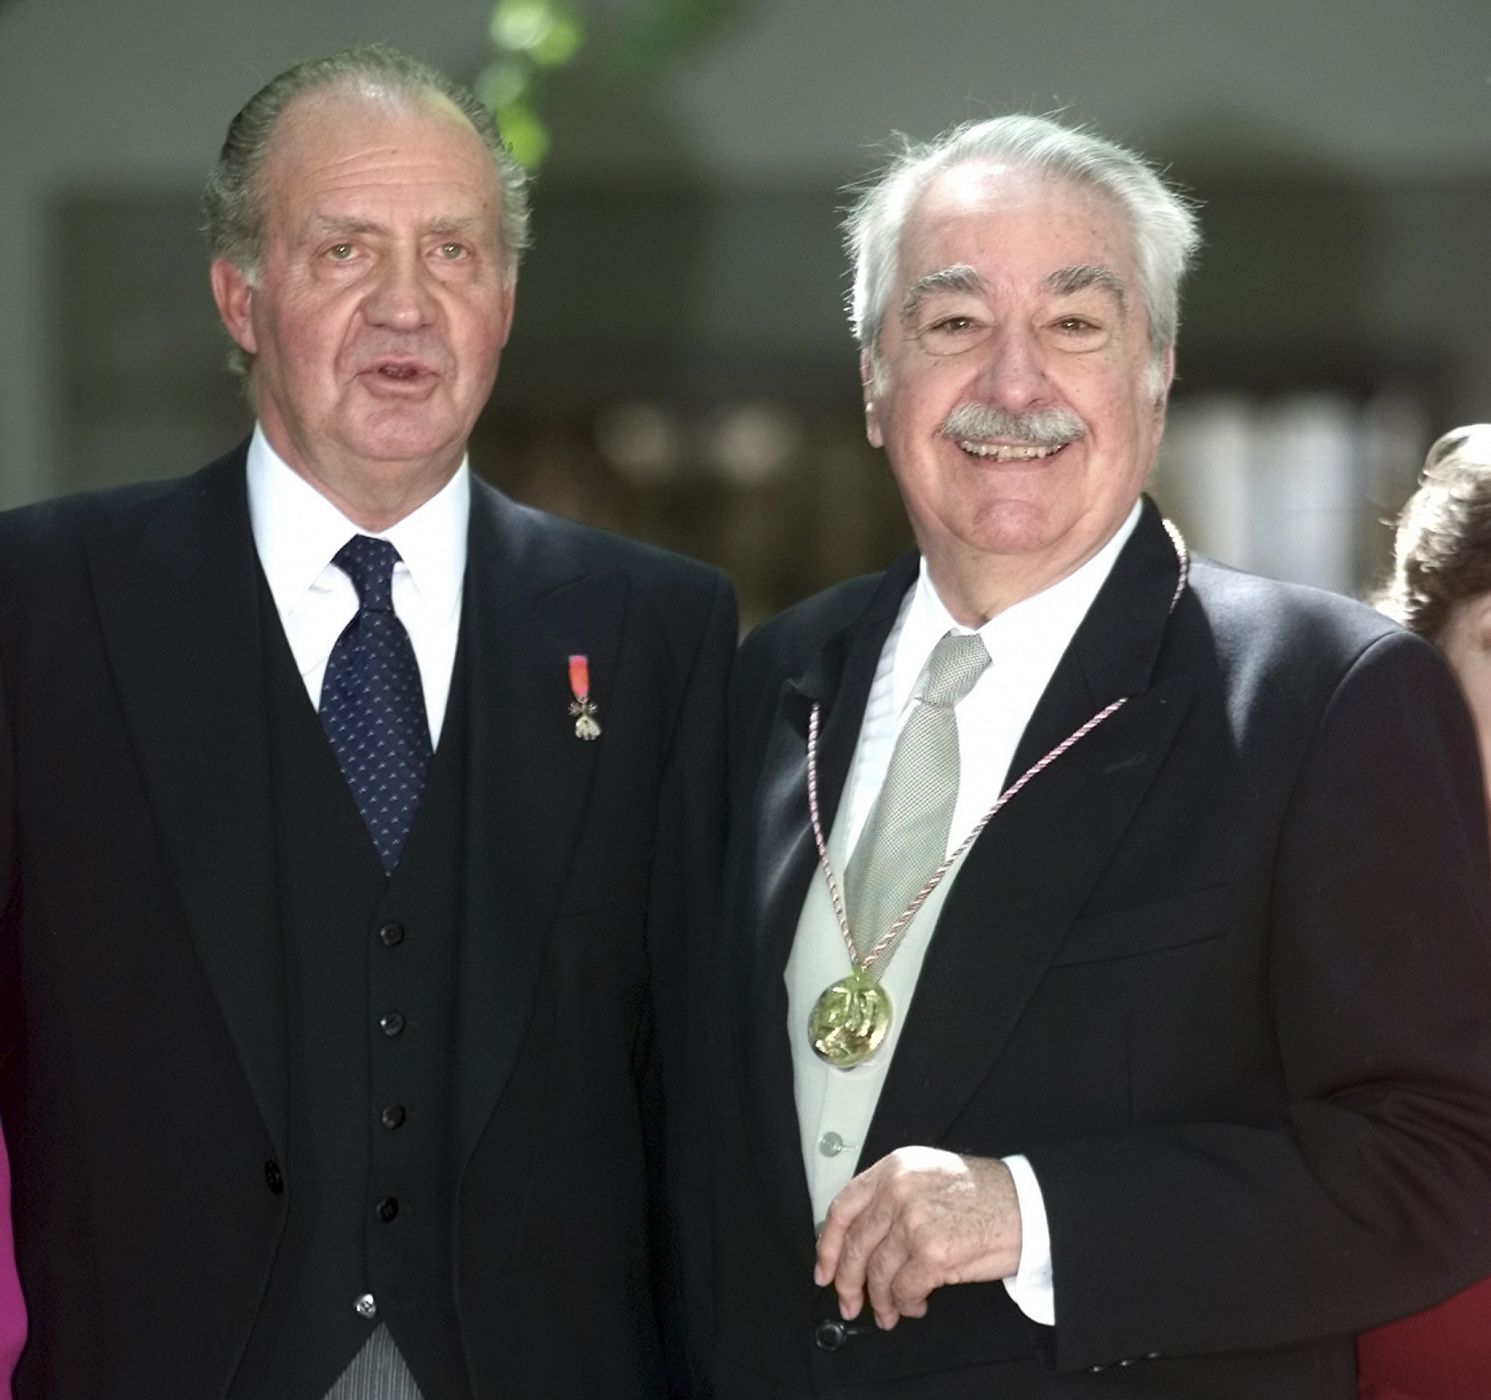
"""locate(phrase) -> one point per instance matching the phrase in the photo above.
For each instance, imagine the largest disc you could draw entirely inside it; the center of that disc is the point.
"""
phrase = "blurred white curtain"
(1295, 487)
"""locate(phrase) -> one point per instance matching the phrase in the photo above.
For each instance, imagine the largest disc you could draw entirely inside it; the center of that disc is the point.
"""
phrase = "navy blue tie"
(372, 703)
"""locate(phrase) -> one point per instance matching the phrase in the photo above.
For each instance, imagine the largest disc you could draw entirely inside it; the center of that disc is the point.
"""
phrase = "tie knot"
(369, 564)
(957, 661)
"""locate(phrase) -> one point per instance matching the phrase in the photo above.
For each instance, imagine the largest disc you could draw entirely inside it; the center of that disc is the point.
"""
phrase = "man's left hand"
(916, 1220)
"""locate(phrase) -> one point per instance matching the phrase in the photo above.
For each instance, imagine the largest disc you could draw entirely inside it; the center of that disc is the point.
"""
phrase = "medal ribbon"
(887, 941)
(885, 945)
(579, 678)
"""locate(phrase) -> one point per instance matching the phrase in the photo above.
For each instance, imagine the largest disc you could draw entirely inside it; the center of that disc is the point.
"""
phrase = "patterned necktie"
(372, 702)
(905, 836)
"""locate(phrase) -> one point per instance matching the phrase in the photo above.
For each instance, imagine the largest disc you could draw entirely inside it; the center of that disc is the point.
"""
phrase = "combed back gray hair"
(1164, 227)
(1442, 552)
(233, 197)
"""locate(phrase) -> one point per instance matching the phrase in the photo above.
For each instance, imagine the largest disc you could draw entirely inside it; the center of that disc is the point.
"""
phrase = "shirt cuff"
(1031, 1287)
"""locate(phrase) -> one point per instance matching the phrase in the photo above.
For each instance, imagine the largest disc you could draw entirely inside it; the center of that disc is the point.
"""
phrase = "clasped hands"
(916, 1220)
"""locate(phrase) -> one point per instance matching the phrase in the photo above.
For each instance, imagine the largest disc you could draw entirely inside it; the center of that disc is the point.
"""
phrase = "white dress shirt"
(297, 531)
(1025, 642)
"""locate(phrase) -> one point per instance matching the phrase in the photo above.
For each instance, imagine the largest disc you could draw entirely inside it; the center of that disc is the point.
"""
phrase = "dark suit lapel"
(838, 680)
(525, 611)
(1031, 870)
(177, 589)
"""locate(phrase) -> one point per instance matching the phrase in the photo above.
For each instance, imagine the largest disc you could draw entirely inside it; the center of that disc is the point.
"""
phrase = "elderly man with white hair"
(1102, 1004)
(358, 826)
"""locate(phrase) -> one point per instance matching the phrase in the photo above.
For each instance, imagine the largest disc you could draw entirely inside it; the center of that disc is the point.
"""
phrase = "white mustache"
(1044, 427)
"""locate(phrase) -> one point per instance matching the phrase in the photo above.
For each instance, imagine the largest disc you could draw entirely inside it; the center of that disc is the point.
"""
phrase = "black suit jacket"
(1221, 972)
(144, 1068)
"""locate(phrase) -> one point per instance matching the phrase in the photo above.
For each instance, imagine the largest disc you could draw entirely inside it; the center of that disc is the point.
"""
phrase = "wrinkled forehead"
(321, 127)
(991, 209)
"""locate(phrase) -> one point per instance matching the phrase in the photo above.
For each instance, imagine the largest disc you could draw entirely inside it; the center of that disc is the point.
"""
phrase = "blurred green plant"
(533, 39)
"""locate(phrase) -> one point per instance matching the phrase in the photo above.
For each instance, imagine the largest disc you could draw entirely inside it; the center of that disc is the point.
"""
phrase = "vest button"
(387, 1208)
(830, 1144)
(274, 1178)
(830, 1335)
(391, 935)
(393, 1116)
(391, 1022)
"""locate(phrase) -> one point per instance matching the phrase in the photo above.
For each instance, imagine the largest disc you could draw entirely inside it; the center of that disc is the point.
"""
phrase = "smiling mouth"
(1009, 451)
(399, 371)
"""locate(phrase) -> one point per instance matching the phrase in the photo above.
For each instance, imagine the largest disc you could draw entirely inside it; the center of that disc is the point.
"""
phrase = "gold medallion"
(848, 1022)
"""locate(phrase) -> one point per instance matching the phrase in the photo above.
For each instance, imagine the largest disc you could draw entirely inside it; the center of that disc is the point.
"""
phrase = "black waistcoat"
(370, 991)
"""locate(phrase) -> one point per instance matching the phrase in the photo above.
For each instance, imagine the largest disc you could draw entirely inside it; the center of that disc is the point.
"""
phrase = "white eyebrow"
(329, 223)
(1066, 280)
(957, 278)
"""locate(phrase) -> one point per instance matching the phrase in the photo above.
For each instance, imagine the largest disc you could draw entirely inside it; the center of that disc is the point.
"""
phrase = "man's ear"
(1167, 376)
(509, 303)
(234, 295)
(868, 388)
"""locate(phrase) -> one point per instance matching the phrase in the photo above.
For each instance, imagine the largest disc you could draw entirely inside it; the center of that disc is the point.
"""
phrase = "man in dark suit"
(1173, 1072)
(357, 826)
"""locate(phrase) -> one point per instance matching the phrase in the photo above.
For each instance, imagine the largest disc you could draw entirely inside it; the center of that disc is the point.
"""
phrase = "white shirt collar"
(297, 531)
(1029, 635)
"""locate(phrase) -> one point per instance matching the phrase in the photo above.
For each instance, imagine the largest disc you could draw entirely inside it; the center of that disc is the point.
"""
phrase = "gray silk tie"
(905, 837)
(377, 1372)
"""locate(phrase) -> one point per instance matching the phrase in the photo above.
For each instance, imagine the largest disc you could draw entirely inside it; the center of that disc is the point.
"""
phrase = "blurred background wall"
(680, 368)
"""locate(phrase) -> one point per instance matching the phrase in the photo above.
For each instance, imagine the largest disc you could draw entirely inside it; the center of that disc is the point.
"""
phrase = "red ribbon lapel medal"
(582, 707)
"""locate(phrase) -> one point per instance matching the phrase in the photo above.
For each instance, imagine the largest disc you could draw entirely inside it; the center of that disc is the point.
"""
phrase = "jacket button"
(391, 935)
(365, 1306)
(392, 1116)
(830, 1335)
(387, 1208)
(392, 1023)
(274, 1178)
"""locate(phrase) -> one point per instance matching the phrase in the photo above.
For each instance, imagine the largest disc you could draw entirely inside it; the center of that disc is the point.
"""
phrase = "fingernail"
(818, 1277)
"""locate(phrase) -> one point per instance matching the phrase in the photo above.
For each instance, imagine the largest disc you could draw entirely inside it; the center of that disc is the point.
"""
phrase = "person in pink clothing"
(12, 1309)
(1441, 589)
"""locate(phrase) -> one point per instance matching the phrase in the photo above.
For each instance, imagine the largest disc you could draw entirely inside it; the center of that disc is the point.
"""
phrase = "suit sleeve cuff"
(1031, 1287)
